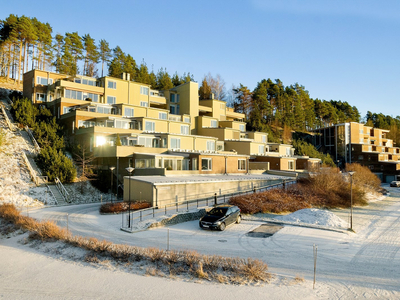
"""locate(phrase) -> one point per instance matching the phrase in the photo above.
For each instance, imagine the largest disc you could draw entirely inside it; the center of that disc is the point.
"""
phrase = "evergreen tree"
(105, 54)
(91, 56)
(204, 90)
(164, 81)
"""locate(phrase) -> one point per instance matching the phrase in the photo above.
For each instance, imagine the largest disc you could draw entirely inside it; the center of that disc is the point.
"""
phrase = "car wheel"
(222, 226)
(239, 219)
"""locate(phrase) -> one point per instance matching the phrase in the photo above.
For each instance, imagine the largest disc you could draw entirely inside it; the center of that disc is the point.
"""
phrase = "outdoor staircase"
(57, 195)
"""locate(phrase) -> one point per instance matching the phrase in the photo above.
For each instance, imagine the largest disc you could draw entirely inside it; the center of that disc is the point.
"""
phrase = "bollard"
(215, 198)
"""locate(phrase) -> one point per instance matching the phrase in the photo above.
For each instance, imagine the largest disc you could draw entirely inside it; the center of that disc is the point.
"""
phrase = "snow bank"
(314, 216)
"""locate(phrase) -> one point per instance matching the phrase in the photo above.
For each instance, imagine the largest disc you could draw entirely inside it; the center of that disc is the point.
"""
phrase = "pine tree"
(105, 54)
(91, 56)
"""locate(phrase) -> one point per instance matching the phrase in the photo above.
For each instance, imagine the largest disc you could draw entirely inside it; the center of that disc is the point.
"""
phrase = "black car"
(220, 217)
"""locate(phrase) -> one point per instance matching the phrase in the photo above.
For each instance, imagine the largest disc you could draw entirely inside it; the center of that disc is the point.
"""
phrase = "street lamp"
(351, 173)
(130, 170)
(112, 173)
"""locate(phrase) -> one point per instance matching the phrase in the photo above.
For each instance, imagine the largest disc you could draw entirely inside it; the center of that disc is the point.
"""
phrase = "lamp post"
(351, 173)
(130, 170)
(112, 173)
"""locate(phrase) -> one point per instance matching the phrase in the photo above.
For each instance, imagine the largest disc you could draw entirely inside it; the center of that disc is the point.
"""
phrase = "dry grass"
(167, 263)
(329, 189)
(299, 279)
(123, 206)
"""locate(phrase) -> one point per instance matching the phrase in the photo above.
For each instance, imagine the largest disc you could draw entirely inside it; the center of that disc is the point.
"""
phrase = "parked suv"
(220, 217)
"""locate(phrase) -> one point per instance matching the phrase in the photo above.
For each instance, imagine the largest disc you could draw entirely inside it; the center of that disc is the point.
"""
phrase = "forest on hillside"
(27, 43)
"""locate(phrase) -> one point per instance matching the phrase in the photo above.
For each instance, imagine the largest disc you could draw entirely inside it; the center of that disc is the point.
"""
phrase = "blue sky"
(340, 50)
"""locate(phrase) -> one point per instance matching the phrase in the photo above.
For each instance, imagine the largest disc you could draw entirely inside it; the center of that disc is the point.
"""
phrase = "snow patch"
(314, 216)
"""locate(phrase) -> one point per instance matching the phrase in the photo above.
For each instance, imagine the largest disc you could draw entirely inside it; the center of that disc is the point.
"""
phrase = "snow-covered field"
(362, 265)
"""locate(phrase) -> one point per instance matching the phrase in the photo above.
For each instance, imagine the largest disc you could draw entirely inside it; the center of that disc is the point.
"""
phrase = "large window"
(184, 129)
(144, 103)
(211, 145)
(150, 126)
(290, 165)
(103, 110)
(206, 164)
(128, 112)
(44, 81)
(241, 164)
(214, 123)
(144, 90)
(112, 84)
(261, 149)
(175, 143)
(242, 128)
(111, 99)
(162, 115)
(264, 138)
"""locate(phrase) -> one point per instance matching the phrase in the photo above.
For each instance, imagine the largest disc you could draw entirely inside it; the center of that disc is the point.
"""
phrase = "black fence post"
(153, 212)
(187, 205)
(254, 189)
(215, 198)
(140, 215)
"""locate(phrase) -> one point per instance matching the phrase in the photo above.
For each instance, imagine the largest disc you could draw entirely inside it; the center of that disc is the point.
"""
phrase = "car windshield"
(218, 211)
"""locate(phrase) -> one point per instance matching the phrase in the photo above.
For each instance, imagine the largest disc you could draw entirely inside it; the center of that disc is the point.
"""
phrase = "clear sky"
(338, 49)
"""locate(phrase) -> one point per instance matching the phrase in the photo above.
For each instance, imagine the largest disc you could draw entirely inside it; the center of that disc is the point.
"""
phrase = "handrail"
(51, 192)
(6, 118)
(35, 144)
(61, 189)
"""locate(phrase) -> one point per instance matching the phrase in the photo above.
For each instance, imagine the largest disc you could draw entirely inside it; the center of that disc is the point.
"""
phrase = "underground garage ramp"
(265, 231)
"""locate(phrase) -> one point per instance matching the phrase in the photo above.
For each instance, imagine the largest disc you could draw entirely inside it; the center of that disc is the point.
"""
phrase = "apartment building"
(126, 123)
(357, 143)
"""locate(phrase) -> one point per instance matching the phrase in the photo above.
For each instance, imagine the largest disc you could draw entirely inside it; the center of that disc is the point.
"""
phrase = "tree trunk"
(19, 62)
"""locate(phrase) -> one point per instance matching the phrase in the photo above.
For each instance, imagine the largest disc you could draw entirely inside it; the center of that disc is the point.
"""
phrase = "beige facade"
(161, 132)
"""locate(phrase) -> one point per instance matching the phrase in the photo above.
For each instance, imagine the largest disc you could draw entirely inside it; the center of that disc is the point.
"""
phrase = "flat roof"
(164, 180)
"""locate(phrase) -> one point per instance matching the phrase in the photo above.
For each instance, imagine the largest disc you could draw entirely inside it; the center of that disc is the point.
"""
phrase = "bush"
(328, 189)
(24, 111)
(122, 206)
(54, 164)
(304, 148)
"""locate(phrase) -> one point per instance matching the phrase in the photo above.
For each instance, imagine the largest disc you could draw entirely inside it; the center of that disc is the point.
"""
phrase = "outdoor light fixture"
(351, 173)
(112, 173)
(130, 170)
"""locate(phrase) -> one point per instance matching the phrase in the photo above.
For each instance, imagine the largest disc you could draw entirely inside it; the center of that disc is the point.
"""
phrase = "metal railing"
(35, 144)
(9, 124)
(61, 189)
(185, 206)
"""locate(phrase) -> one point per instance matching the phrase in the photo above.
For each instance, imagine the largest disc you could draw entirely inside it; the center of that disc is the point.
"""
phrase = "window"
(264, 139)
(173, 98)
(184, 129)
(175, 143)
(104, 110)
(111, 99)
(40, 97)
(211, 145)
(186, 120)
(288, 151)
(144, 90)
(290, 165)
(144, 103)
(222, 106)
(112, 85)
(174, 109)
(162, 116)
(92, 97)
(66, 110)
(44, 81)
(241, 127)
(241, 164)
(128, 112)
(150, 126)
(206, 164)
(214, 123)
(261, 149)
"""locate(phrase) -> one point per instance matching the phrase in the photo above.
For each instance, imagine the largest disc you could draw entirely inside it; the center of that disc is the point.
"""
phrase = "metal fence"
(132, 217)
